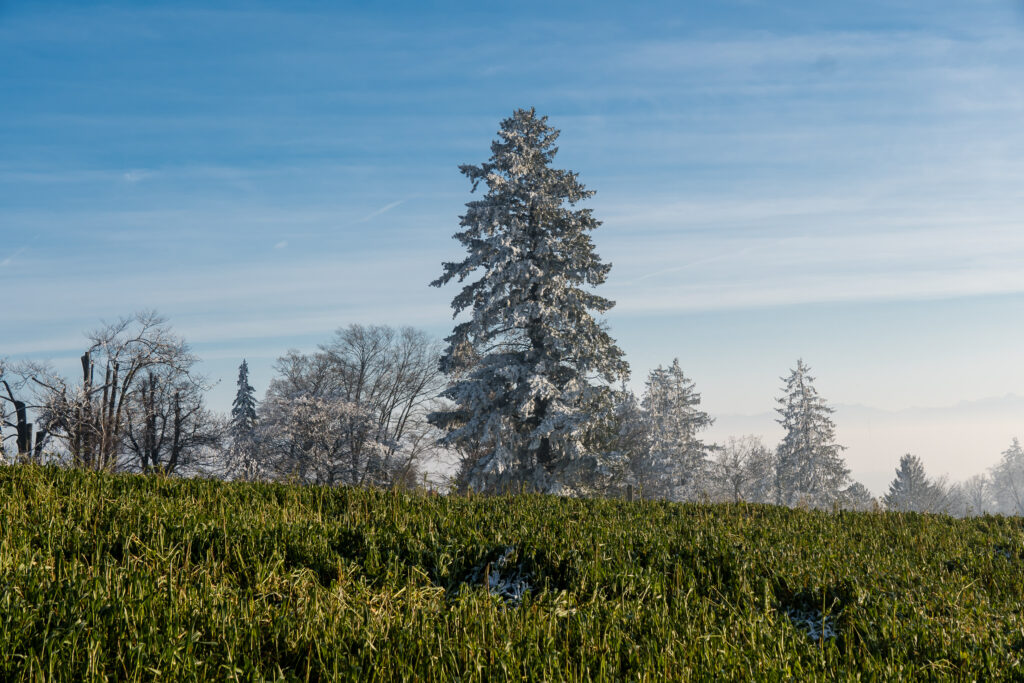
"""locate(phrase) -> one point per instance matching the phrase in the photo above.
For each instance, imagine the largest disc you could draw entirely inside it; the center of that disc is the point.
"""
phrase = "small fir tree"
(675, 464)
(810, 466)
(242, 461)
(1008, 480)
(530, 368)
(911, 490)
(856, 496)
(622, 440)
(243, 408)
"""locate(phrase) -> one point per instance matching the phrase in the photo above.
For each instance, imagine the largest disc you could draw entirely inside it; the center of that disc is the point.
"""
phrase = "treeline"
(358, 412)
(352, 413)
(528, 394)
(999, 491)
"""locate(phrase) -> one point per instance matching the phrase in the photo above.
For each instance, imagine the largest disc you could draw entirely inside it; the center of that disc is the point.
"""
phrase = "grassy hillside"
(126, 578)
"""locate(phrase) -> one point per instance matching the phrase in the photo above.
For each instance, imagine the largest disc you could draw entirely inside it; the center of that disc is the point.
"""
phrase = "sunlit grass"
(127, 578)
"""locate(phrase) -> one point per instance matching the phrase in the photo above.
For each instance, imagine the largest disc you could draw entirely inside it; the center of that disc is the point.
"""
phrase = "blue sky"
(842, 182)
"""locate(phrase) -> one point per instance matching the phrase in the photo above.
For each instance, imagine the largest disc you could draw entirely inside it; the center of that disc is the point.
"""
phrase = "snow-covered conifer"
(243, 408)
(622, 439)
(811, 469)
(242, 461)
(1008, 480)
(675, 464)
(531, 365)
(912, 491)
(856, 496)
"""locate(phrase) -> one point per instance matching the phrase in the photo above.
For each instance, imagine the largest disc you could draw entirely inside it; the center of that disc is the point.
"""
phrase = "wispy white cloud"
(45, 176)
(853, 262)
(383, 210)
(818, 287)
(137, 175)
(281, 245)
(8, 260)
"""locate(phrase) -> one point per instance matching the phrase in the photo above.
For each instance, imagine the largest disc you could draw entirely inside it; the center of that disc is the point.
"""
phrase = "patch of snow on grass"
(811, 622)
(504, 579)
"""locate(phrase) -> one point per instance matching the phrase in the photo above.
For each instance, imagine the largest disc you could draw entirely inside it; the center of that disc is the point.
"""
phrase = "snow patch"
(504, 579)
(813, 623)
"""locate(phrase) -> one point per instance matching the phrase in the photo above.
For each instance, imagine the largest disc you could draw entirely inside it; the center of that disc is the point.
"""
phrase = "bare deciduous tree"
(310, 439)
(91, 418)
(974, 496)
(167, 428)
(355, 411)
(17, 405)
(743, 470)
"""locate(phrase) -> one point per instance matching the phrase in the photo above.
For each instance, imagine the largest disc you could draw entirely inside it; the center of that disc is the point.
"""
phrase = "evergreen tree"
(242, 459)
(856, 496)
(529, 369)
(243, 408)
(1008, 480)
(810, 466)
(912, 491)
(675, 464)
(621, 437)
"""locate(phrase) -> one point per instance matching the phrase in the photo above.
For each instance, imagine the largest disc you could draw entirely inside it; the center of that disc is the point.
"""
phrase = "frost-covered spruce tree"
(675, 464)
(530, 368)
(242, 461)
(622, 439)
(1008, 480)
(243, 408)
(810, 465)
(857, 496)
(912, 491)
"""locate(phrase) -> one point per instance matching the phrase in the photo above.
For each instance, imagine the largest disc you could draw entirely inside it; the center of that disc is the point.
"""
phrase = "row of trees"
(531, 371)
(1001, 490)
(528, 394)
(357, 412)
(656, 442)
(352, 413)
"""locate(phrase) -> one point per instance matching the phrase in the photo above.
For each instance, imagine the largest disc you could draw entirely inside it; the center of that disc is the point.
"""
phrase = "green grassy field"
(126, 578)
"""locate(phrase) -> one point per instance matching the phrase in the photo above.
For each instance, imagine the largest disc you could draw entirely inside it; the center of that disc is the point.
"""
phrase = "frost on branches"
(243, 408)
(913, 491)
(675, 464)
(353, 413)
(810, 468)
(325, 440)
(242, 461)
(530, 367)
(1008, 480)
